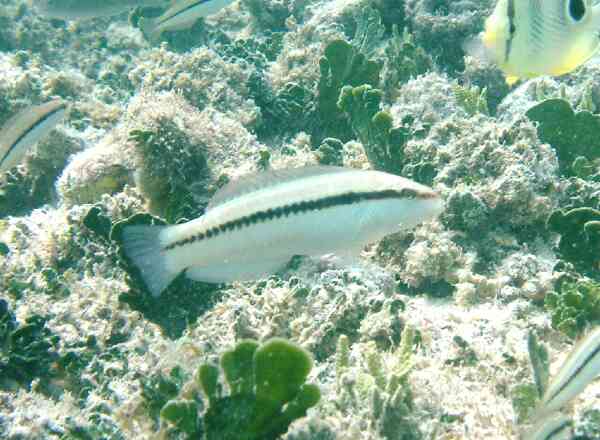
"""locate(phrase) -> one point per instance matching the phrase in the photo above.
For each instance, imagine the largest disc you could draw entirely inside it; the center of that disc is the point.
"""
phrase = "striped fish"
(182, 15)
(554, 427)
(254, 226)
(579, 369)
(24, 130)
(528, 38)
(84, 9)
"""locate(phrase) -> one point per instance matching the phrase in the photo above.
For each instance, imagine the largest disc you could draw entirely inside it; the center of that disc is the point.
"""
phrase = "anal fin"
(226, 273)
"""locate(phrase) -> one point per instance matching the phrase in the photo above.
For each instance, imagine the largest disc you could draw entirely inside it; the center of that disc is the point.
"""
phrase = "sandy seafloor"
(472, 282)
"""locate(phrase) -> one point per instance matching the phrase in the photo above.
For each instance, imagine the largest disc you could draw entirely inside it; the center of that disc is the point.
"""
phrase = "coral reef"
(424, 335)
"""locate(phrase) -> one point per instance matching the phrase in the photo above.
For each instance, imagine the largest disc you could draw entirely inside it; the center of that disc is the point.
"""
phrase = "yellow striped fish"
(24, 130)
(182, 15)
(581, 367)
(254, 226)
(529, 38)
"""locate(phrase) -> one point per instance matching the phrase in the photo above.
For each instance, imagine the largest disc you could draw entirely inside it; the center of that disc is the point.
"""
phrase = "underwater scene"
(300, 219)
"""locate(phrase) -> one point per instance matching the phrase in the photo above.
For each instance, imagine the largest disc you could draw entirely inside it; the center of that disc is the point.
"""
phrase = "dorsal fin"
(254, 182)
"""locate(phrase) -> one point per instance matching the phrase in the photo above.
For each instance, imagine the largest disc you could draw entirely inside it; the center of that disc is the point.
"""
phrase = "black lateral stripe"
(299, 208)
(558, 429)
(511, 26)
(576, 372)
(28, 131)
(187, 8)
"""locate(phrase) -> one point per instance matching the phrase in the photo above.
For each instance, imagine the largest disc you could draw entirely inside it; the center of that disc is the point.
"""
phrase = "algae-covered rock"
(330, 152)
(27, 350)
(575, 136)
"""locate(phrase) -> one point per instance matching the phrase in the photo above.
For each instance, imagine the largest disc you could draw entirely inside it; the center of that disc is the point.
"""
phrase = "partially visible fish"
(554, 427)
(253, 227)
(76, 9)
(529, 38)
(24, 130)
(182, 15)
(581, 367)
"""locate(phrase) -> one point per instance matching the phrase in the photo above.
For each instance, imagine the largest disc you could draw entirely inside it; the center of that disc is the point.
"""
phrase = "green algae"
(573, 305)
(574, 135)
(471, 99)
(341, 65)
(404, 60)
(383, 143)
(579, 230)
(330, 152)
(539, 358)
(266, 393)
(159, 389)
(28, 350)
(383, 384)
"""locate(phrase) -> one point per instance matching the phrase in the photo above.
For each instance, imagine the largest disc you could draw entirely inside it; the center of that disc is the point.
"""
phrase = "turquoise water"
(431, 332)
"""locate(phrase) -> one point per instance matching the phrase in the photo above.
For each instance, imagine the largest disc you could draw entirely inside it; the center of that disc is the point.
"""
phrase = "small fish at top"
(529, 38)
(254, 226)
(82, 9)
(579, 369)
(182, 15)
(24, 130)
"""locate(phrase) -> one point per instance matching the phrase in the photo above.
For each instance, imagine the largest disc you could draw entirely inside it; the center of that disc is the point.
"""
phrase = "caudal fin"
(143, 246)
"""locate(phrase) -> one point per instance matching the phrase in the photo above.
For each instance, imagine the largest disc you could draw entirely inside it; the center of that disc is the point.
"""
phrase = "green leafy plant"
(267, 392)
(574, 135)
(574, 304)
(384, 384)
(579, 230)
(383, 143)
(404, 59)
(471, 99)
(526, 395)
(341, 65)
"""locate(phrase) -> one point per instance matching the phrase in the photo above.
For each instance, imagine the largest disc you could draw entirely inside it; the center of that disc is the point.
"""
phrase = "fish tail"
(142, 245)
(149, 28)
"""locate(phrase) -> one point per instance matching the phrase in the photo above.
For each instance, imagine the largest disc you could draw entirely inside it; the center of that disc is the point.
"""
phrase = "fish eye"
(577, 9)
